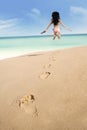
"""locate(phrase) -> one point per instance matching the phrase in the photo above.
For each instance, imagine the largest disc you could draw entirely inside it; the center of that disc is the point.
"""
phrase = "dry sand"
(44, 91)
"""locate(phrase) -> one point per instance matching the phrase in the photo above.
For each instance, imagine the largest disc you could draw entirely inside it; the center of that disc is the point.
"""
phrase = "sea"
(23, 45)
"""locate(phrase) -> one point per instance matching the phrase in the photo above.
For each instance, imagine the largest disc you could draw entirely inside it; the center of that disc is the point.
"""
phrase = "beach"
(44, 91)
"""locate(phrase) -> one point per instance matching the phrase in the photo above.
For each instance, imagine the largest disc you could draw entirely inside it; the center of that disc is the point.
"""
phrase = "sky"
(30, 17)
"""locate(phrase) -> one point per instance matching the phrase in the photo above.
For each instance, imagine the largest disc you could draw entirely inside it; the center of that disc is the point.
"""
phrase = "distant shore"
(41, 35)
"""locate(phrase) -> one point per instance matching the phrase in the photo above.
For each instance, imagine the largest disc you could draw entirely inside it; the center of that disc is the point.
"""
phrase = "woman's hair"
(55, 17)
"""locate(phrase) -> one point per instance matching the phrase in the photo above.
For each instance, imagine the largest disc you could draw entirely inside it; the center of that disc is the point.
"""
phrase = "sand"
(44, 91)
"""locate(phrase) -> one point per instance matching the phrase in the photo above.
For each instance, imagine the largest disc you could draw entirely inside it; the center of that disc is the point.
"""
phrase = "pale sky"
(30, 17)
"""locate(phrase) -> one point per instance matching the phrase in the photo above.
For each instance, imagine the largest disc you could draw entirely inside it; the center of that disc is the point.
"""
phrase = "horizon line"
(40, 35)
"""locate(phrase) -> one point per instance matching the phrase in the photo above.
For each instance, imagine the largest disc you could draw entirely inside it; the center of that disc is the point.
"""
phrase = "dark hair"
(55, 17)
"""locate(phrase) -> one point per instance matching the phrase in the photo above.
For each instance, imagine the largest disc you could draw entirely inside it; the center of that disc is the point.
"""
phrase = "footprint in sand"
(44, 75)
(52, 58)
(47, 66)
(27, 103)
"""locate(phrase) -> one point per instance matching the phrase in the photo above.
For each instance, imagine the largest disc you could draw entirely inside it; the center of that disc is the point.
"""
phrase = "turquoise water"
(15, 46)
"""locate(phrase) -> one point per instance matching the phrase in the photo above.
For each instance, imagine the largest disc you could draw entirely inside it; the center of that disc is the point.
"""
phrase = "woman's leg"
(54, 37)
(58, 34)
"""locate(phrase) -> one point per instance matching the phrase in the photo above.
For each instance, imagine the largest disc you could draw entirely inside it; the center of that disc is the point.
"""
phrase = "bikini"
(56, 30)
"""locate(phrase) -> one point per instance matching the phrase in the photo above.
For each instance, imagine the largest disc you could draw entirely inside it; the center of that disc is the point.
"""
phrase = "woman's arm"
(47, 28)
(48, 25)
(65, 26)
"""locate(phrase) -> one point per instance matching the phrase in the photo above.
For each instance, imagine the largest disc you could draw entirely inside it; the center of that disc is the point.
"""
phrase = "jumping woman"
(56, 21)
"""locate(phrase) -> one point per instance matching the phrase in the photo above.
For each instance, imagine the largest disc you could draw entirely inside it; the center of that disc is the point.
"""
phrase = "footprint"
(44, 75)
(47, 66)
(30, 109)
(27, 104)
(26, 99)
(52, 58)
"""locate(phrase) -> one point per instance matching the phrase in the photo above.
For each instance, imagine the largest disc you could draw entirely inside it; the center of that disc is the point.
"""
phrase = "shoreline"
(41, 51)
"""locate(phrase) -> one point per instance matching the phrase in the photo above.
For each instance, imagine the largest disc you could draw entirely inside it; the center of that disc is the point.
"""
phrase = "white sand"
(46, 91)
